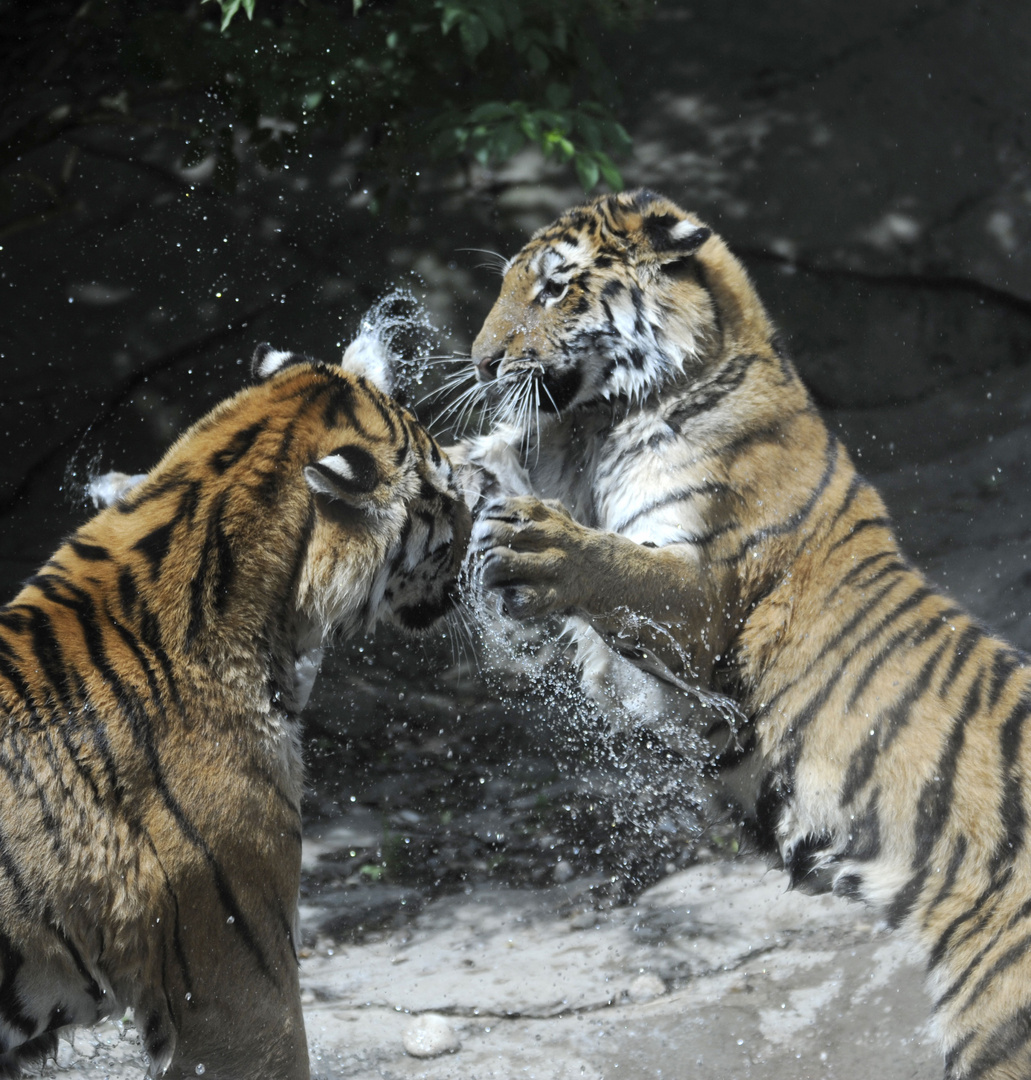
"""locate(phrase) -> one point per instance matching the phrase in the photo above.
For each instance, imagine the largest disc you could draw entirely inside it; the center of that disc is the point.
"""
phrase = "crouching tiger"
(150, 679)
(715, 531)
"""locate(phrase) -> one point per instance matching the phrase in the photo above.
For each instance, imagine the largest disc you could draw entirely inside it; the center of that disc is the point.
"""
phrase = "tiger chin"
(151, 675)
(657, 469)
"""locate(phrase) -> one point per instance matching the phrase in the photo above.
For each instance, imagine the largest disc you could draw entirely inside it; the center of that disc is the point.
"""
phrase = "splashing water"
(645, 736)
(399, 324)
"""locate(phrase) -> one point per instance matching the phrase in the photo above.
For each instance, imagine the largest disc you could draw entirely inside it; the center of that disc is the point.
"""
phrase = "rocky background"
(872, 166)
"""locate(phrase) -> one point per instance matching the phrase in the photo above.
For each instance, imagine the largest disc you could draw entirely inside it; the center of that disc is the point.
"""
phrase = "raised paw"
(524, 550)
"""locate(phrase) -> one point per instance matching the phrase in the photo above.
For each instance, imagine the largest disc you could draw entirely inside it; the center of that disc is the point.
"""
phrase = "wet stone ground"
(494, 878)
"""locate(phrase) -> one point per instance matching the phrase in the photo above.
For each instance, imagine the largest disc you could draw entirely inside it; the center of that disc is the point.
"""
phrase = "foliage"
(401, 83)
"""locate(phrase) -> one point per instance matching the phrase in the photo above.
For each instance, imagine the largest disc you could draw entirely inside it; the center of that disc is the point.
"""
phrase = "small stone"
(83, 1043)
(66, 1056)
(430, 1035)
(646, 987)
(562, 873)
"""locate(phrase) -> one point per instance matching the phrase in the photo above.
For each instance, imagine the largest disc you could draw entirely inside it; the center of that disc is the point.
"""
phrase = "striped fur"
(712, 528)
(150, 679)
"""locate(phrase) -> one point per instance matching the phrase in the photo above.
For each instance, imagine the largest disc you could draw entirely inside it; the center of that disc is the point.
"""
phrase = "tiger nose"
(487, 366)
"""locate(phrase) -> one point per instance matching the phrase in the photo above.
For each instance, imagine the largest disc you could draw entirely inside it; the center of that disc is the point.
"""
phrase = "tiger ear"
(671, 237)
(370, 356)
(350, 474)
(266, 361)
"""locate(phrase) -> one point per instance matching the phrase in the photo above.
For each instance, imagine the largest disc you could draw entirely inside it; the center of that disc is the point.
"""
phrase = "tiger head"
(612, 302)
(309, 504)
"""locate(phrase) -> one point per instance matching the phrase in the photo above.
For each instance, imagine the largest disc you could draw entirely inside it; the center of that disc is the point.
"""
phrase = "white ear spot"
(687, 237)
(369, 356)
(347, 473)
(266, 361)
(684, 230)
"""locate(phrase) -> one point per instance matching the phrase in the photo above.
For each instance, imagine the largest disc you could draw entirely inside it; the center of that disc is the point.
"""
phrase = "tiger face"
(612, 302)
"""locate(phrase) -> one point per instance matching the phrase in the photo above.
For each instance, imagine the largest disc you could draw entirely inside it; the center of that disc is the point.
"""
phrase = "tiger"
(151, 677)
(657, 469)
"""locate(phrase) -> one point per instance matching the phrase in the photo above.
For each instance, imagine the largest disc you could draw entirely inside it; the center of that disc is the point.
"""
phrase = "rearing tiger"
(150, 679)
(714, 530)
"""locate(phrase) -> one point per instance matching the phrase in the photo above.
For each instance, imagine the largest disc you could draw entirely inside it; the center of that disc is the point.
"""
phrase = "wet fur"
(709, 526)
(150, 679)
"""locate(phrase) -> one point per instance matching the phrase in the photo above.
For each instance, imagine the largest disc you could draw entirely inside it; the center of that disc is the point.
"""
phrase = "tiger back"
(151, 675)
(714, 531)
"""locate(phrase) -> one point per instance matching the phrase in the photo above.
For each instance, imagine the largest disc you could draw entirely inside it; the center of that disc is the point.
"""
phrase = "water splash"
(639, 747)
(400, 324)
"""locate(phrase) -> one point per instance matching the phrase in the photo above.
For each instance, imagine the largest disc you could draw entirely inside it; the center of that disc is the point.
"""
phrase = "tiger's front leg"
(540, 561)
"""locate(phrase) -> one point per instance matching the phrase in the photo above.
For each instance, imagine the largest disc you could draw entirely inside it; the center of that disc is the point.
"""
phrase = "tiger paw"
(523, 550)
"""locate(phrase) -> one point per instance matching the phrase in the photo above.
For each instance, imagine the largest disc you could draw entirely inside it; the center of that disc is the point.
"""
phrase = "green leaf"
(452, 13)
(538, 60)
(474, 35)
(587, 170)
(248, 7)
(229, 9)
(490, 112)
(493, 21)
(505, 141)
(555, 142)
(611, 174)
(531, 127)
(358, 5)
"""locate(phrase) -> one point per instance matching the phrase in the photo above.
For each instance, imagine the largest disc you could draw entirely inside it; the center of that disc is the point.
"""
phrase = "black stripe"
(809, 712)
(1011, 956)
(959, 853)
(9, 865)
(893, 566)
(964, 650)
(12, 620)
(89, 552)
(1011, 810)
(154, 546)
(906, 898)
(855, 485)
(1005, 663)
(858, 617)
(340, 405)
(887, 725)
(11, 961)
(935, 802)
(992, 891)
(703, 397)
(237, 447)
(961, 980)
(10, 672)
(128, 593)
(50, 659)
(150, 490)
(859, 527)
(801, 515)
(139, 725)
(1003, 1044)
(215, 568)
(682, 494)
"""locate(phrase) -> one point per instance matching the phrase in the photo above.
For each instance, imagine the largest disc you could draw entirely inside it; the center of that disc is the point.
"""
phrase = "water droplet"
(199, 1070)
(230, 920)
